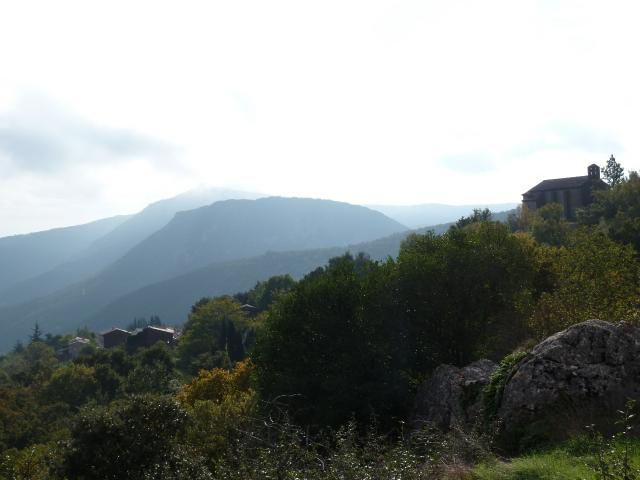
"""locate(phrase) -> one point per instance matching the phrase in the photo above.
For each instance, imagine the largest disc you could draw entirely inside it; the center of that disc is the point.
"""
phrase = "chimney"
(594, 172)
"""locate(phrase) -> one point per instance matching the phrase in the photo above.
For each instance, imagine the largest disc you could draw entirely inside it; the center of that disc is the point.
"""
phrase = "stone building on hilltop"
(572, 192)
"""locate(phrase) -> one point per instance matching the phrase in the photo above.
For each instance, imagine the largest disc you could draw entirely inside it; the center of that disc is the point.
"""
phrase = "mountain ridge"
(27, 255)
(334, 222)
(110, 247)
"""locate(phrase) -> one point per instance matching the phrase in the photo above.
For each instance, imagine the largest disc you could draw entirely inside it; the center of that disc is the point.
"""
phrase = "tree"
(549, 226)
(40, 362)
(36, 336)
(331, 348)
(613, 172)
(466, 294)
(153, 371)
(133, 438)
(616, 211)
(221, 404)
(264, 293)
(592, 277)
(212, 336)
(478, 215)
(72, 384)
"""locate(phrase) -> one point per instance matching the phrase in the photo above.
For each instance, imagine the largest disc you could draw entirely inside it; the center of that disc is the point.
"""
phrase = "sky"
(108, 106)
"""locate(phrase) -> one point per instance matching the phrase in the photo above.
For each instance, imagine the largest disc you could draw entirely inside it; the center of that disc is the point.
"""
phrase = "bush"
(492, 393)
(131, 439)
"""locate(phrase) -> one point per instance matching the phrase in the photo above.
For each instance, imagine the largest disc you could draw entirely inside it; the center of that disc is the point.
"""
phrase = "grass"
(555, 465)
(562, 463)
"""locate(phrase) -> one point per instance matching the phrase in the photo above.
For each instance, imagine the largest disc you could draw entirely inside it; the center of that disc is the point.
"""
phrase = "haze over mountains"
(25, 256)
(426, 214)
(202, 243)
(82, 260)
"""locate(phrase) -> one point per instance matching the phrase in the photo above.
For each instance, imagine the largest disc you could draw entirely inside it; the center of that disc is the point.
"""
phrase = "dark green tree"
(135, 438)
(18, 347)
(478, 215)
(36, 336)
(212, 336)
(153, 371)
(613, 172)
(332, 347)
(72, 384)
(616, 211)
(264, 293)
(466, 294)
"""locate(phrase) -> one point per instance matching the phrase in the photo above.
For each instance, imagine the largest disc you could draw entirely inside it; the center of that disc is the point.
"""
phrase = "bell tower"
(593, 172)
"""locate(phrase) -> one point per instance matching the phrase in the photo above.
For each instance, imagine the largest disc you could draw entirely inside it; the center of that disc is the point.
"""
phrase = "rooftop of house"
(568, 182)
(560, 183)
(115, 329)
(138, 330)
(160, 329)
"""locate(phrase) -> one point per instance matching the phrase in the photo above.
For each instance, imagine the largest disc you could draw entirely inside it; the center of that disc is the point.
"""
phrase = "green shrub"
(492, 393)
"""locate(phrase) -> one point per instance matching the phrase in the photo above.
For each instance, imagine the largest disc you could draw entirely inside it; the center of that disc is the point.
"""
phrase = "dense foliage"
(316, 378)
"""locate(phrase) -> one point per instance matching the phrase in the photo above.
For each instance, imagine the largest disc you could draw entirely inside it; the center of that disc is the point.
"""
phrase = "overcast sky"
(107, 106)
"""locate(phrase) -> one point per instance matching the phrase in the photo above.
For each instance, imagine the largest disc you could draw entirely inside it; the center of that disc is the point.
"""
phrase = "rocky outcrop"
(577, 377)
(452, 396)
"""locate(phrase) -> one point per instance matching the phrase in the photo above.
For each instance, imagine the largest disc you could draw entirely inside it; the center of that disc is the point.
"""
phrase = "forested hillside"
(224, 231)
(319, 379)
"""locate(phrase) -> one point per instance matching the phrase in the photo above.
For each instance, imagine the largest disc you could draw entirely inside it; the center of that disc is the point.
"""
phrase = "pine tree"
(613, 172)
(36, 336)
(18, 347)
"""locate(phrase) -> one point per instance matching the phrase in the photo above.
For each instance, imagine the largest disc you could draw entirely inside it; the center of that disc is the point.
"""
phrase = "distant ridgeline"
(161, 262)
(327, 374)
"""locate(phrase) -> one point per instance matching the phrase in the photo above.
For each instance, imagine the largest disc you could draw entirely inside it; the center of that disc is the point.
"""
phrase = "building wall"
(113, 339)
(149, 337)
(575, 197)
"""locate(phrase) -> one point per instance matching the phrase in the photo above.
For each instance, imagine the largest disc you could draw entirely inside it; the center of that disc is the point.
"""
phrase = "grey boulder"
(577, 377)
(452, 396)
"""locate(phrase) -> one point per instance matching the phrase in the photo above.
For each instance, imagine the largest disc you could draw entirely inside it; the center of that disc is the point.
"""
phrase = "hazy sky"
(107, 106)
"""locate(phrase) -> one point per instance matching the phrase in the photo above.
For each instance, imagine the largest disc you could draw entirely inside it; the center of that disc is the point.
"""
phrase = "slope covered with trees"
(304, 386)
(223, 231)
(319, 381)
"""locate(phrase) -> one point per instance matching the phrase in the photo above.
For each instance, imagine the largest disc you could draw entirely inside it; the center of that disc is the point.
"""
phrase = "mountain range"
(26, 256)
(81, 260)
(163, 259)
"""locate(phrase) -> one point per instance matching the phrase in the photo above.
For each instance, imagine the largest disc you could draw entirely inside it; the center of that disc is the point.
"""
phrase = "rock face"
(577, 377)
(452, 396)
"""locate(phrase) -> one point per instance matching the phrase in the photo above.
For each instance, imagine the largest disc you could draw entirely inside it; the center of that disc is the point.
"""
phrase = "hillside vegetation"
(319, 381)
(222, 232)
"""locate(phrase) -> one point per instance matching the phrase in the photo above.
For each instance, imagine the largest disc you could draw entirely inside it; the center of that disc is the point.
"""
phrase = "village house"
(139, 338)
(73, 348)
(150, 335)
(572, 192)
(114, 337)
